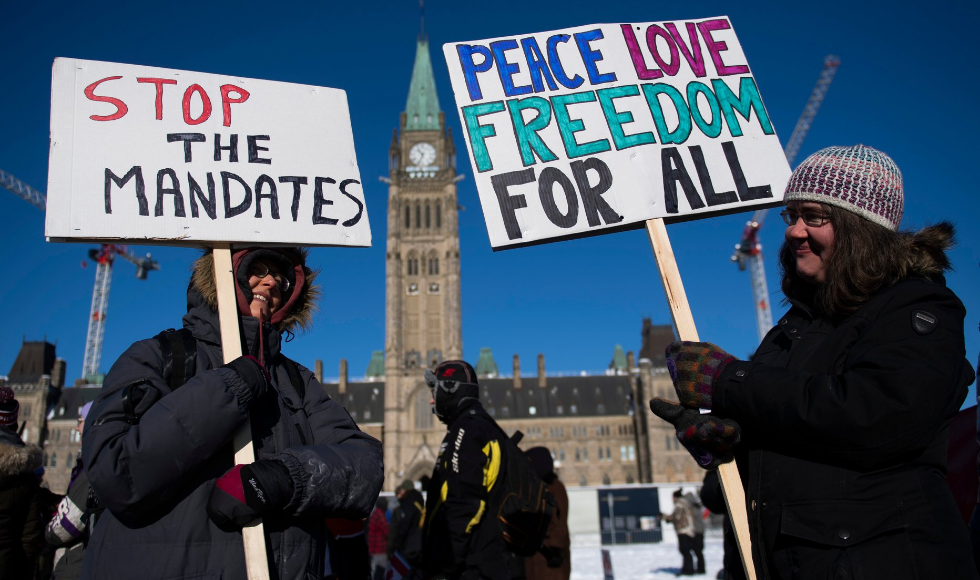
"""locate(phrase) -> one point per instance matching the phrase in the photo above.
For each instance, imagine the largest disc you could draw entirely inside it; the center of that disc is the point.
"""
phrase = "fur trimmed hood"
(924, 252)
(304, 307)
(18, 459)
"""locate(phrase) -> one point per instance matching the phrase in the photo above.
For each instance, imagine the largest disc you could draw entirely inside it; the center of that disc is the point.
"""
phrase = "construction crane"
(103, 257)
(748, 252)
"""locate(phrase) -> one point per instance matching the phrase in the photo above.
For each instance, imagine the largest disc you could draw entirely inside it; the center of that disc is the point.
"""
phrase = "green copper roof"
(376, 368)
(619, 359)
(422, 109)
(486, 366)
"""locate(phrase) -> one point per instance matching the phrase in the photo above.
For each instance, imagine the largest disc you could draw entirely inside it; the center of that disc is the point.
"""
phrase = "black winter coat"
(458, 538)
(406, 533)
(845, 429)
(155, 474)
(21, 526)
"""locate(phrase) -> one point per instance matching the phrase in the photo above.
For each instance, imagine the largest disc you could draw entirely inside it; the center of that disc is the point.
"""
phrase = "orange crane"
(748, 252)
(103, 256)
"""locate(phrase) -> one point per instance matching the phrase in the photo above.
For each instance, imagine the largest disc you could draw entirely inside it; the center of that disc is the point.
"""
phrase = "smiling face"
(812, 247)
(266, 297)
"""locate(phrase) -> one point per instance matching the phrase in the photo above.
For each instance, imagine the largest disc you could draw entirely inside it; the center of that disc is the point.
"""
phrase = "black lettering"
(592, 196)
(254, 148)
(111, 178)
(175, 191)
(673, 169)
(509, 204)
(187, 138)
(232, 211)
(745, 193)
(319, 201)
(705, 178)
(360, 206)
(232, 148)
(209, 203)
(546, 191)
(272, 196)
(297, 182)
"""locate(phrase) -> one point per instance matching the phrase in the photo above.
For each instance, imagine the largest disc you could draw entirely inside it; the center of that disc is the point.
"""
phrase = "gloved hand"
(694, 367)
(246, 492)
(710, 440)
(552, 556)
(252, 373)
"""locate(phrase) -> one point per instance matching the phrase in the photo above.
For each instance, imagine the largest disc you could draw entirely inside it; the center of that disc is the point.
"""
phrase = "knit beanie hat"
(859, 179)
(9, 407)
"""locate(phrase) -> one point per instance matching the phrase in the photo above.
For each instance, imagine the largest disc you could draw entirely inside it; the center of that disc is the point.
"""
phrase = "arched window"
(408, 217)
(68, 463)
(423, 410)
(45, 459)
(54, 460)
(418, 215)
(438, 214)
(433, 266)
(427, 222)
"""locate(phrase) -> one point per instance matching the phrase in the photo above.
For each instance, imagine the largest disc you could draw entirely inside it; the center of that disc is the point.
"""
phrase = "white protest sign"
(576, 131)
(174, 157)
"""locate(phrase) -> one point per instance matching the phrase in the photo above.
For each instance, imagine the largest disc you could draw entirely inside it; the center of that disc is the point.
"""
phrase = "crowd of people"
(838, 425)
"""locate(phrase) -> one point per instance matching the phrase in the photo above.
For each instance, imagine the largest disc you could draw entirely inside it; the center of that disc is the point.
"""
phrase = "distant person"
(70, 527)
(460, 542)
(554, 560)
(405, 531)
(158, 450)
(21, 527)
(377, 538)
(683, 519)
(840, 420)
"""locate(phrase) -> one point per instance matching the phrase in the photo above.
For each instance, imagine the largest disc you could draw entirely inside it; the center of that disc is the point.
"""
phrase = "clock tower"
(422, 274)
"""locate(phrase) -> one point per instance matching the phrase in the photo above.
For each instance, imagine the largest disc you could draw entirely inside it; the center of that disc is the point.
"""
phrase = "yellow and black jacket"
(458, 540)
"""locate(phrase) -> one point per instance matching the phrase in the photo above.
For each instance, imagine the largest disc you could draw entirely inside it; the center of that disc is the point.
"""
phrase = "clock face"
(422, 154)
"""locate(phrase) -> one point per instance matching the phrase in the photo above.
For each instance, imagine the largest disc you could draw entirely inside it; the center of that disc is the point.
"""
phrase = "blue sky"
(903, 86)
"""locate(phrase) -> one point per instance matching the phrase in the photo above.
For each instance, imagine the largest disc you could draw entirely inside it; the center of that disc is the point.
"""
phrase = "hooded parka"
(153, 461)
(844, 436)
(21, 528)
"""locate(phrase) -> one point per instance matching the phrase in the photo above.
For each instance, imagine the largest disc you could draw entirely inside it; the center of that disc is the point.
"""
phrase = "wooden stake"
(680, 310)
(253, 535)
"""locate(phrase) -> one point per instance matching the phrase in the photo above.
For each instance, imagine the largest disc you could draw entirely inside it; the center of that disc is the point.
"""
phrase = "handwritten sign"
(184, 158)
(576, 131)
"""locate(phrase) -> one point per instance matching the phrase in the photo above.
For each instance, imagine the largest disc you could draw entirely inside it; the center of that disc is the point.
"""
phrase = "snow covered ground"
(640, 561)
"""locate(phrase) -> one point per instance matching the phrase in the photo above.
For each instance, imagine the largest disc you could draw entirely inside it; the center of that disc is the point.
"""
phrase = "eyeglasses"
(260, 271)
(811, 218)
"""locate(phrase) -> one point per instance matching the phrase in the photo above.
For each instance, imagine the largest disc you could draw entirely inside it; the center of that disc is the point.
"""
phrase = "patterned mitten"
(694, 367)
(709, 439)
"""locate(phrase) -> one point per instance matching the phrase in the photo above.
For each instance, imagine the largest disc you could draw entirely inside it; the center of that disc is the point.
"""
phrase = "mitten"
(252, 373)
(694, 367)
(710, 440)
(246, 492)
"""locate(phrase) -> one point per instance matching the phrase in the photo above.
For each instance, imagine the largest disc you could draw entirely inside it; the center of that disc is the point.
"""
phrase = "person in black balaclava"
(458, 541)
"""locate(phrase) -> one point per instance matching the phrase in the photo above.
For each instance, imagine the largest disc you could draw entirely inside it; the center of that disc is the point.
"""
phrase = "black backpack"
(521, 503)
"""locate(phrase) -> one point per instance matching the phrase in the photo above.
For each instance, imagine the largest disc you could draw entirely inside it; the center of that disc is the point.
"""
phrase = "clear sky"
(904, 86)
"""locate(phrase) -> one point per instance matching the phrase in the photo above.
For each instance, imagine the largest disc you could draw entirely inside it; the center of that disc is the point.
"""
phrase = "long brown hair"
(866, 258)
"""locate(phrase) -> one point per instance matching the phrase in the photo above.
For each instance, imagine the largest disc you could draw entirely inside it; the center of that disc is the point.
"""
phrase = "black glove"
(246, 492)
(709, 439)
(252, 373)
(552, 556)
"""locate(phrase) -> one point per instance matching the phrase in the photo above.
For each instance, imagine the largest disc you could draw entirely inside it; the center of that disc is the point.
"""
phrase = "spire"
(422, 110)
(376, 368)
(486, 367)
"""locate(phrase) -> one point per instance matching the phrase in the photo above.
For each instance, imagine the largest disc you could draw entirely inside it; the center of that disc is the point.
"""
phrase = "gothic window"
(54, 460)
(438, 214)
(608, 455)
(418, 215)
(600, 453)
(427, 222)
(561, 454)
(585, 454)
(622, 453)
(632, 453)
(578, 454)
(433, 266)
(68, 463)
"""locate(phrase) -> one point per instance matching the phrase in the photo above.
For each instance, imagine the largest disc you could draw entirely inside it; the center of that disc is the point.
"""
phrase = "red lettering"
(159, 84)
(121, 108)
(186, 105)
(653, 31)
(634, 47)
(226, 100)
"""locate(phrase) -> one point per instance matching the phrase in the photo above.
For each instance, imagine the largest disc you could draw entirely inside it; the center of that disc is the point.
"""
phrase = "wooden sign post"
(680, 311)
(169, 157)
(605, 127)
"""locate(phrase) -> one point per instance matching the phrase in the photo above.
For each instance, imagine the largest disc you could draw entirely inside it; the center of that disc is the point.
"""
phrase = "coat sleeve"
(341, 473)
(894, 391)
(137, 465)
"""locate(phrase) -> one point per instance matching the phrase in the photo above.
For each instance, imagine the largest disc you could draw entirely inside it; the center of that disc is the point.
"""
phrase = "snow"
(641, 561)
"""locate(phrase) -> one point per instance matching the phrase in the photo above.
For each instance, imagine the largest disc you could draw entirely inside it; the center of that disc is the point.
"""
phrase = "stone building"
(598, 427)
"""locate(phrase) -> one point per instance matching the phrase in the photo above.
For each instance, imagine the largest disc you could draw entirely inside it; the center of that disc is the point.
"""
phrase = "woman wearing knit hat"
(839, 421)
(158, 451)
(21, 528)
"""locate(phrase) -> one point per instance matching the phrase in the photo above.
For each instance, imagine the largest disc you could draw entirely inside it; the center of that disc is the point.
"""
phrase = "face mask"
(445, 394)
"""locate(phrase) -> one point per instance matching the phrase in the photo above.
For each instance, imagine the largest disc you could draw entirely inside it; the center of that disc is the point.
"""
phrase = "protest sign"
(174, 157)
(578, 131)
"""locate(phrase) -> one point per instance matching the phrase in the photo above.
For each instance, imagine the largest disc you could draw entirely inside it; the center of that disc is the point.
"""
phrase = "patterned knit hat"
(9, 407)
(858, 179)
